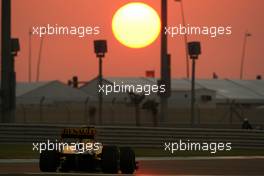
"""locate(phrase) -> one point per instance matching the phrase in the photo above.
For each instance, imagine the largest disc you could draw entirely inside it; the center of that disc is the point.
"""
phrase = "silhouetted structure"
(39, 59)
(136, 100)
(152, 106)
(100, 48)
(150, 73)
(10, 47)
(215, 76)
(247, 34)
(194, 50)
(259, 77)
(165, 63)
(246, 125)
(185, 40)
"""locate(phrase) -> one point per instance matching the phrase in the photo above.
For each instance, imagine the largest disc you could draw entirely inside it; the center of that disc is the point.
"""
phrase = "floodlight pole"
(185, 39)
(194, 50)
(165, 62)
(29, 55)
(247, 34)
(100, 48)
(193, 93)
(39, 59)
(100, 77)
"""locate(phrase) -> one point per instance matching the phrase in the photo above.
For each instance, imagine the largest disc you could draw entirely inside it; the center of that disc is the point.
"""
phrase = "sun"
(136, 25)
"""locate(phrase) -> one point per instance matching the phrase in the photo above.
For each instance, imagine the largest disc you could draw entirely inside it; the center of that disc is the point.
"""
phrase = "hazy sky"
(64, 57)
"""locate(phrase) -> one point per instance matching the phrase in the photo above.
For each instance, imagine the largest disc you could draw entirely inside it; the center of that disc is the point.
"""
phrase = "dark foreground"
(196, 166)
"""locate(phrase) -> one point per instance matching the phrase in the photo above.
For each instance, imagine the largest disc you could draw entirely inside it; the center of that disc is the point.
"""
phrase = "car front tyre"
(127, 160)
(110, 159)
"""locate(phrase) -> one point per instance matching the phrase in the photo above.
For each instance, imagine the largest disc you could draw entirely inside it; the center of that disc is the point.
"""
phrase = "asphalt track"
(158, 166)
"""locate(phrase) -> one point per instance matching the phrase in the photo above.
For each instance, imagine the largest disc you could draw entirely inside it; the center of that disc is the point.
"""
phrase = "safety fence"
(118, 114)
(135, 136)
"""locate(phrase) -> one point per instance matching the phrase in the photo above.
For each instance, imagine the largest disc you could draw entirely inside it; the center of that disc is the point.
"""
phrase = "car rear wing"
(80, 133)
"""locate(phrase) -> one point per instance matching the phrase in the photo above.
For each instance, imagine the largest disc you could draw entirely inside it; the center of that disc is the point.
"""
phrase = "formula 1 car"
(79, 151)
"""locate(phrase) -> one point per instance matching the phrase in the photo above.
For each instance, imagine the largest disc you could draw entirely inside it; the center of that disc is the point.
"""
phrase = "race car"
(78, 150)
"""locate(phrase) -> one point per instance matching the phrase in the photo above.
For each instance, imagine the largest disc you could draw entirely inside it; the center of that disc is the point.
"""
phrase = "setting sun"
(136, 25)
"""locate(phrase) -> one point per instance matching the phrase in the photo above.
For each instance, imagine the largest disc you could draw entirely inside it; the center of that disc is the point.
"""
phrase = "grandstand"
(218, 101)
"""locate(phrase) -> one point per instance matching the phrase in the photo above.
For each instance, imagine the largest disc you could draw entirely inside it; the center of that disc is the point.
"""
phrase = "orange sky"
(64, 57)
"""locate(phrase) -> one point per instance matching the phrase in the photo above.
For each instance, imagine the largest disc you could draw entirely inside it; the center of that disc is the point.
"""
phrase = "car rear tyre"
(127, 160)
(49, 161)
(110, 159)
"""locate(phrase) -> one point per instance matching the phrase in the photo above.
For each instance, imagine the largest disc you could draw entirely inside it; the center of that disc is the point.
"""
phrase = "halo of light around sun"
(136, 25)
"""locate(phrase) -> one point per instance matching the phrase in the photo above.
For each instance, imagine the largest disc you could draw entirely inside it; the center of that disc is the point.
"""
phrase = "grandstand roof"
(245, 91)
(50, 91)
